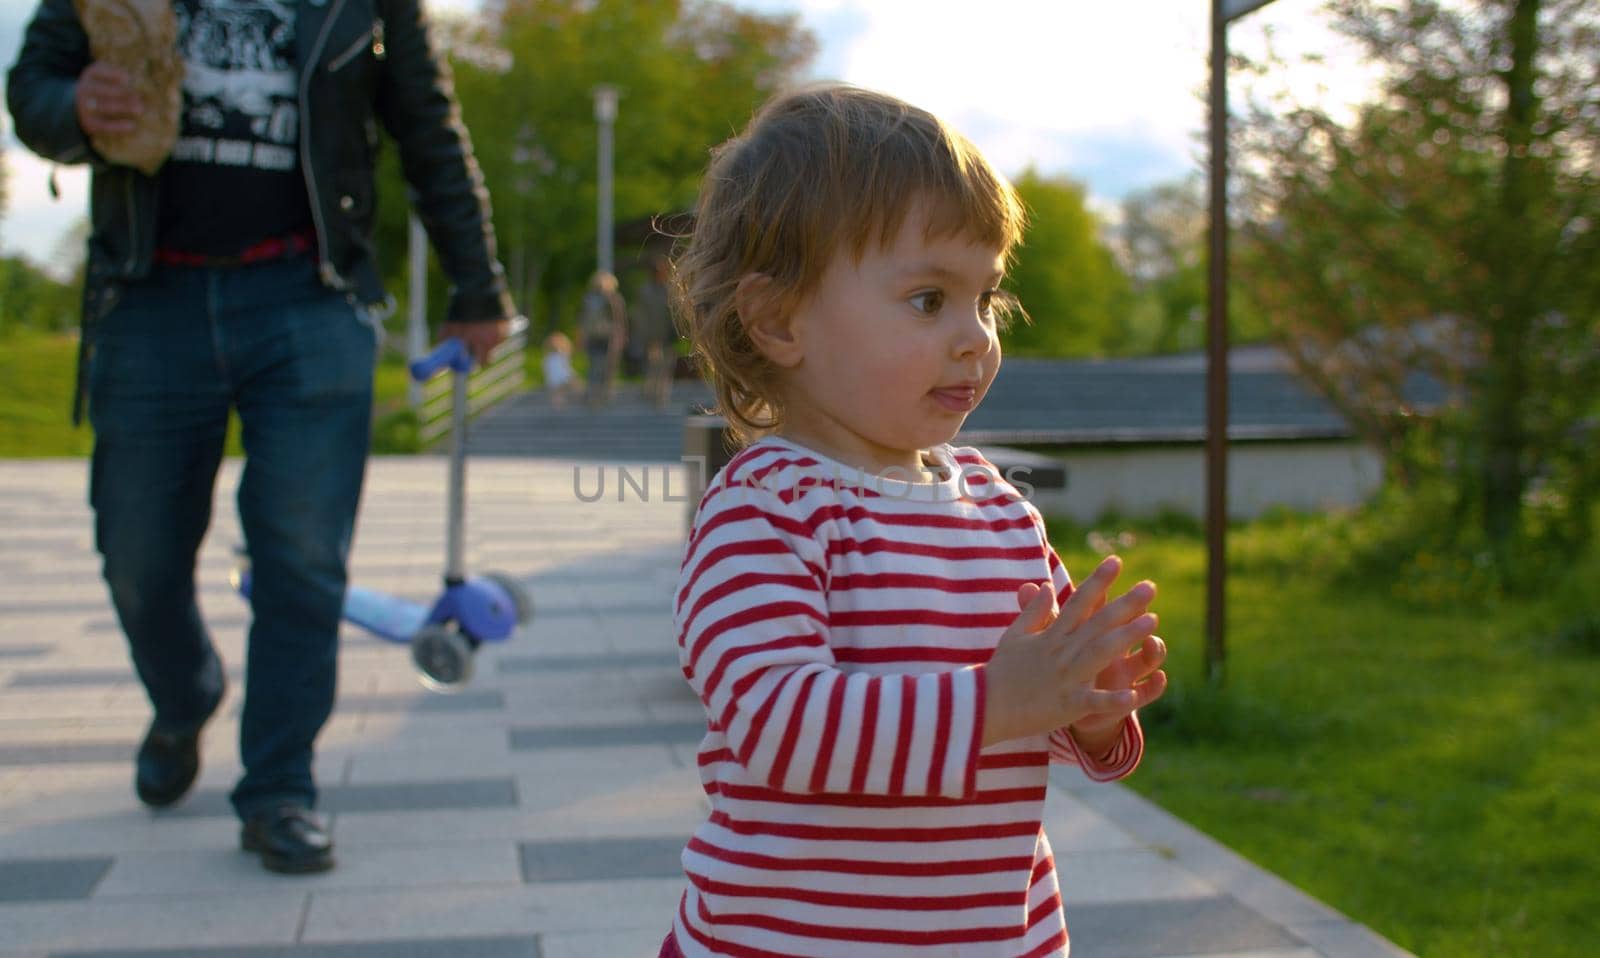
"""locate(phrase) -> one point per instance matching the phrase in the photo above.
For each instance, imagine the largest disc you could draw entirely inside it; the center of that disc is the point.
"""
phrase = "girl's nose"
(974, 337)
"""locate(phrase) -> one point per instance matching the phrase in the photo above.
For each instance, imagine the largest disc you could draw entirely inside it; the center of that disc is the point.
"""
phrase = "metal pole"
(1217, 357)
(455, 523)
(605, 112)
(417, 302)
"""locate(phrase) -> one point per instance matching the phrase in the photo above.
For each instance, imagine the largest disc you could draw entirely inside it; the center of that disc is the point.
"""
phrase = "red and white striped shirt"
(834, 626)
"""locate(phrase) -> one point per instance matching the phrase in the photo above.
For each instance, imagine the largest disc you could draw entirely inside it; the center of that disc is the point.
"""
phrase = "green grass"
(1431, 772)
(37, 373)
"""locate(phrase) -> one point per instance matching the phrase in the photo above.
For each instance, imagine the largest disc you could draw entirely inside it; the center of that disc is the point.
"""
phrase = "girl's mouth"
(956, 398)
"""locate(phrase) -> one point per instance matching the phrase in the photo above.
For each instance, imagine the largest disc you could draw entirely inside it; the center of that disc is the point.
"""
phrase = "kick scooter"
(445, 634)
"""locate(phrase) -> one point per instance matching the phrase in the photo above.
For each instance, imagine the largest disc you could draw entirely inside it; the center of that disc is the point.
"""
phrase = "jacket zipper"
(339, 61)
(133, 224)
(330, 276)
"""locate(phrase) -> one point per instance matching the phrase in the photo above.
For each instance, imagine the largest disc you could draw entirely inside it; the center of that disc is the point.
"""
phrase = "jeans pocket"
(335, 346)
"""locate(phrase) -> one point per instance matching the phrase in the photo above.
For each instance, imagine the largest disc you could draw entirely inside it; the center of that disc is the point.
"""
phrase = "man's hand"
(105, 100)
(480, 338)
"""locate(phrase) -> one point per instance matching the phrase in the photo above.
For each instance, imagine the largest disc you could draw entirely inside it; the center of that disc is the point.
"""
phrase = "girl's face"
(890, 354)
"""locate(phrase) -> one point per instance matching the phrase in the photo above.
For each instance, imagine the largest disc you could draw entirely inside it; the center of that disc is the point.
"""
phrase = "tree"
(1065, 276)
(31, 300)
(5, 175)
(1450, 228)
(1161, 241)
(689, 72)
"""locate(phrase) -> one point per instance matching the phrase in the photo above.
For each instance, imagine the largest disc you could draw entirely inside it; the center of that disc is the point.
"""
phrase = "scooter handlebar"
(452, 353)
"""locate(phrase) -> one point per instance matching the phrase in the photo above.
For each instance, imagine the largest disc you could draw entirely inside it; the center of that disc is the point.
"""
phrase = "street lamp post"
(1223, 12)
(605, 114)
(522, 157)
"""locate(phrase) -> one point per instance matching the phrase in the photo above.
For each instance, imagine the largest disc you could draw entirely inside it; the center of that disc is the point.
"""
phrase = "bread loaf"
(141, 38)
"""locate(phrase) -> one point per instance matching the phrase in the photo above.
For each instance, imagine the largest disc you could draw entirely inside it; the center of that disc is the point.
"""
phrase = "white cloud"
(1108, 92)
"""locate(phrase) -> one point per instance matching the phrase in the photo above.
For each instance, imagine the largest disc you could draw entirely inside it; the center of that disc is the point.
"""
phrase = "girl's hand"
(1140, 671)
(1047, 672)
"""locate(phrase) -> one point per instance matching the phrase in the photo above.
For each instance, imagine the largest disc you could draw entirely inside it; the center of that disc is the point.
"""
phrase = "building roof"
(1153, 399)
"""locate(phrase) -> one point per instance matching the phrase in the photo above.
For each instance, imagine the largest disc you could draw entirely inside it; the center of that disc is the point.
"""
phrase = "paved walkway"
(538, 814)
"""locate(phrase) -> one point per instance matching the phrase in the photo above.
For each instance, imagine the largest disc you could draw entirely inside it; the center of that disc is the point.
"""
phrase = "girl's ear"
(765, 320)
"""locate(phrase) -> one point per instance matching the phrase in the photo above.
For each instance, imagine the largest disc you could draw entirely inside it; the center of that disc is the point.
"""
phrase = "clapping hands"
(1086, 666)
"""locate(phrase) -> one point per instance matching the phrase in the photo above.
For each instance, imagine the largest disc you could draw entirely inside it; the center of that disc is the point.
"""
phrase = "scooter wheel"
(443, 658)
(520, 594)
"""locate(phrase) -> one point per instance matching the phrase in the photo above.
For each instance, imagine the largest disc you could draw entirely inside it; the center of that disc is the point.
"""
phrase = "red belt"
(278, 247)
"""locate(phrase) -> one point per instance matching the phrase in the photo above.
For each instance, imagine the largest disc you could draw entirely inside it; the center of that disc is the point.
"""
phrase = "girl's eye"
(986, 303)
(928, 301)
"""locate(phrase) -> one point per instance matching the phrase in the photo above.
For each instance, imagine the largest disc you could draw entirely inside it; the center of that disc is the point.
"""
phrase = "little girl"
(557, 366)
(880, 716)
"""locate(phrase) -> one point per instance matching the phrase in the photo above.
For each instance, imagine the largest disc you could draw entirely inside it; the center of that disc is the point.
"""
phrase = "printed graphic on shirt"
(239, 89)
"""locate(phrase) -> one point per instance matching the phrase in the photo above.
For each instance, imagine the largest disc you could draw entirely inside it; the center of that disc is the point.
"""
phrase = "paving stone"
(511, 665)
(1347, 939)
(422, 862)
(59, 678)
(1269, 953)
(494, 910)
(592, 736)
(129, 829)
(461, 794)
(516, 947)
(1150, 929)
(54, 607)
(601, 860)
(50, 879)
(1121, 875)
(9, 652)
(537, 764)
(625, 813)
(642, 942)
(260, 918)
(466, 700)
(66, 753)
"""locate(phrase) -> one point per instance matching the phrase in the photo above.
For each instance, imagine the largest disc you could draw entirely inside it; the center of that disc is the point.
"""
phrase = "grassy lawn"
(38, 371)
(1431, 772)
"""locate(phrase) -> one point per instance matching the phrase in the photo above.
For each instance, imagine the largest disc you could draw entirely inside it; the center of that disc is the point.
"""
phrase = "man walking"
(240, 276)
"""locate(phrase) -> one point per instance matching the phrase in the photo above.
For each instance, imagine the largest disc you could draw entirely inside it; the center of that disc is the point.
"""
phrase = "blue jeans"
(296, 360)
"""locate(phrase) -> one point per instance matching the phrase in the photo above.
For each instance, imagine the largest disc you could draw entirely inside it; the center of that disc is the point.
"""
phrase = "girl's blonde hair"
(819, 170)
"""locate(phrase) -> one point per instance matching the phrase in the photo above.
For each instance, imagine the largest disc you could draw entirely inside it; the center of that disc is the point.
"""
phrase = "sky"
(1106, 93)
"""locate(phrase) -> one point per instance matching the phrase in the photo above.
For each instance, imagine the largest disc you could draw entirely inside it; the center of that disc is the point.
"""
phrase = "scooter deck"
(387, 616)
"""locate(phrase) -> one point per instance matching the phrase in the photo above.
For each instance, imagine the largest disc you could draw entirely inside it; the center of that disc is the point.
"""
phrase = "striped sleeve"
(753, 638)
(1124, 756)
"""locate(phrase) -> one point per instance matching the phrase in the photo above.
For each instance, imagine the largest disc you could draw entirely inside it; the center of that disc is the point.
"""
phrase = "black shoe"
(289, 840)
(166, 766)
(167, 762)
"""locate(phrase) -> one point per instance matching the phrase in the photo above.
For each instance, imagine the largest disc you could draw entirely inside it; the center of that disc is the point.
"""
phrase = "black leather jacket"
(361, 62)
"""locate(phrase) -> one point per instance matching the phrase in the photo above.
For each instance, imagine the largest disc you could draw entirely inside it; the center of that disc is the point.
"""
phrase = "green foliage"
(1423, 768)
(31, 300)
(1448, 230)
(1065, 276)
(689, 74)
(1161, 239)
(394, 425)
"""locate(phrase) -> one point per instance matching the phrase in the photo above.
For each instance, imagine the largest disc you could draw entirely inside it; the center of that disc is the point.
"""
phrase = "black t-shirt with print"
(234, 176)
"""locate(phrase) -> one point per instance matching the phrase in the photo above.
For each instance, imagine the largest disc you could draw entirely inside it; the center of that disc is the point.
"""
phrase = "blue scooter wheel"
(443, 658)
(521, 595)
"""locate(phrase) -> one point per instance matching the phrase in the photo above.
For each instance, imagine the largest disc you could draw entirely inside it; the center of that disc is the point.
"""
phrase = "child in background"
(880, 715)
(558, 367)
